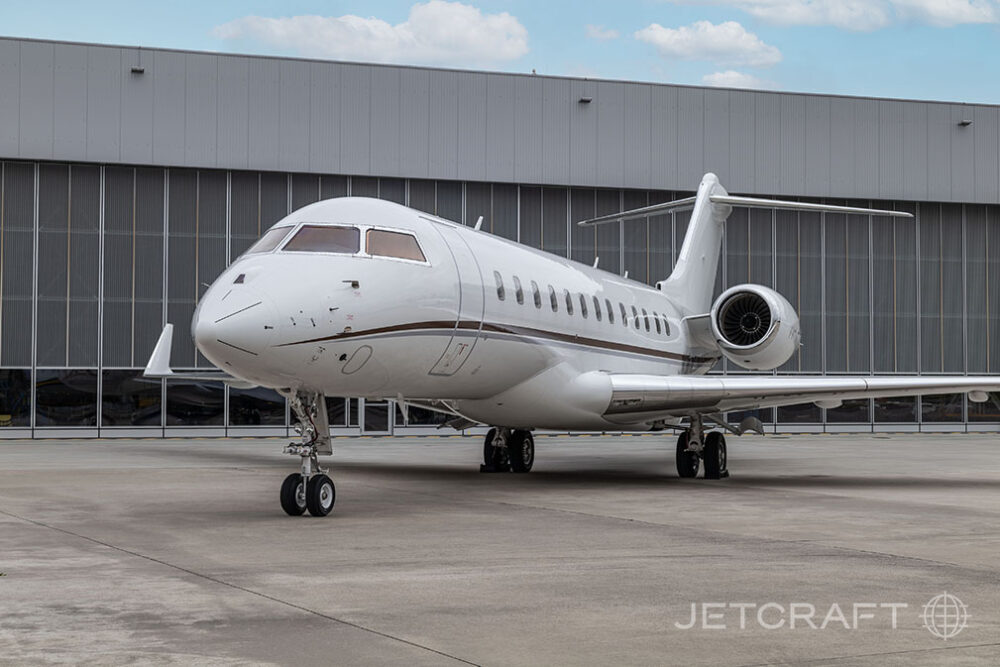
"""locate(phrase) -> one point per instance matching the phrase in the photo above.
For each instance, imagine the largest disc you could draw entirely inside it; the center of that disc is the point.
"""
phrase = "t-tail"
(692, 282)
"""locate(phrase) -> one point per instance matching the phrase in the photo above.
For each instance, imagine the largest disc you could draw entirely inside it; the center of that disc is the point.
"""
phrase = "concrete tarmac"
(177, 552)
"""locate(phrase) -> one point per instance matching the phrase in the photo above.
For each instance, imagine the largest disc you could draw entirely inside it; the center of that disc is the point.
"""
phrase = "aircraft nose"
(233, 329)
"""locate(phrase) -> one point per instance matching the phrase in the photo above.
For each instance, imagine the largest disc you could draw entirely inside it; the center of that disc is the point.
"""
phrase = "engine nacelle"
(755, 327)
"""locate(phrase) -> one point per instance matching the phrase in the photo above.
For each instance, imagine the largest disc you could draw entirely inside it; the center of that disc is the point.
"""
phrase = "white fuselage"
(437, 330)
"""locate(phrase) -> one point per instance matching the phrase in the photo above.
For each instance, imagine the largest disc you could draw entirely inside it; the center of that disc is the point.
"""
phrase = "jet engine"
(755, 327)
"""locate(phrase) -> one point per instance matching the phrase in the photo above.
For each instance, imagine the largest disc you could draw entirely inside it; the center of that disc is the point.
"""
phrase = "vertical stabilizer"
(692, 281)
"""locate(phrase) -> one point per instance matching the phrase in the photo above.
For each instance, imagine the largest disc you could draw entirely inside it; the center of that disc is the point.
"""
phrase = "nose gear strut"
(311, 488)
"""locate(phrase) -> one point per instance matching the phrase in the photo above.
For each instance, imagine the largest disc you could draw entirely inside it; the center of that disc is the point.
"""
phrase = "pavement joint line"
(836, 658)
(237, 587)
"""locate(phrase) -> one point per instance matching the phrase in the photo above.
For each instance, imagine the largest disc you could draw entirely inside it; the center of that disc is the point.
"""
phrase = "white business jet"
(362, 297)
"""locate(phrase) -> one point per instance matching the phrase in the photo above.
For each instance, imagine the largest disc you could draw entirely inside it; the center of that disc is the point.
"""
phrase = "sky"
(913, 49)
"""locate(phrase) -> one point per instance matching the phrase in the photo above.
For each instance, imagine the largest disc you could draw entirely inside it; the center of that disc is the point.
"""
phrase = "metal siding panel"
(119, 265)
(442, 135)
(914, 138)
(324, 117)
(938, 141)
(472, 110)
(168, 108)
(149, 242)
(977, 304)
(355, 119)
(817, 137)
(963, 155)
(742, 153)
(930, 288)
(906, 283)
(182, 269)
(609, 235)
(883, 295)
(582, 134)
(610, 165)
(858, 295)
(554, 216)
(767, 121)
(529, 135)
(717, 134)
(36, 103)
(414, 121)
(637, 138)
(690, 136)
(294, 110)
(201, 102)
(10, 115)
(841, 146)
(811, 291)
(836, 293)
(104, 103)
(793, 144)
(500, 134)
(992, 280)
(555, 131)
(233, 120)
(952, 288)
(987, 148)
(136, 131)
(53, 263)
(84, 268)
(866, 148)
(636, 234)
(18, 241)
(265, 113)
(70, 107)
(890, 139)
(385, 111)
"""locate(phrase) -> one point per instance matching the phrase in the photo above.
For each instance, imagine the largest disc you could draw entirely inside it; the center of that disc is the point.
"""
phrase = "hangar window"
(569, 301)
(325, 238)
(382, 243)
(597, 309)
(536, 294)
(553, 299)
(656, 321)
(271, 239)
(583, 305)
(518, 292)
(501, 292)
(611, 311)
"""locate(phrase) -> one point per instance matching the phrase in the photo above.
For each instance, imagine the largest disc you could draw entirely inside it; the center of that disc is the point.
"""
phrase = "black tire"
(522, 451)
(715, 456)
(321, 495)
(687, 462)
(293, 496)
(488, 447)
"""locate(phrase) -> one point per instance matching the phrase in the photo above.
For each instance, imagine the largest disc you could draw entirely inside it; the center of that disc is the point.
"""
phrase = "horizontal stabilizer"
(159, 365)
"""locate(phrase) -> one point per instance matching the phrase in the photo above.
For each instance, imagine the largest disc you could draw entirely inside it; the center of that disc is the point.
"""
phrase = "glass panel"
(128, 399)
(393, 244)
(635, 317)
(449, 200)
(376, 416)
(352, 413)
(321, 238)
(765, 415)
(645, 318)
(531, 217)
(271, 239)
(621, 306)
(806, 413)
(944, 408)
(501, 293)
(536, 294)
(422, 195)
(569, 301)
(15, 397)
(518, 292)
(611, 311)
(336, 411)
(583, 305)
(192, 403)
(656, 321)
(392, 189)
(554, 221)
(364, 186)
(259, 406)
(422, 417)
(896, 409)
(857, 410)
(65, 397)
(553, 299)
(597, 309)
(978, 412)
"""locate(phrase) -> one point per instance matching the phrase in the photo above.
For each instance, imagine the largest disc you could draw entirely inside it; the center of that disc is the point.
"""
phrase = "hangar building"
(131, 176)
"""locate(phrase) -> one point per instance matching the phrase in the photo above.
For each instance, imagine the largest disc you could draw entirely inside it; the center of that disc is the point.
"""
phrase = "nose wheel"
(310, 489)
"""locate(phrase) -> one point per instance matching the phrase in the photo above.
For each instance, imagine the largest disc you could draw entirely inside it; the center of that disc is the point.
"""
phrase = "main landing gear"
(508, 450)
(311, 489)
(694, 446)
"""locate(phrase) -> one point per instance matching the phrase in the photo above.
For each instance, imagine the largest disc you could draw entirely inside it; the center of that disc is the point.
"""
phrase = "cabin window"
(382, 243)
(645, 318)
(536, 294)
(553, 299)
(597, 309)
(583, 306)
(624, 314)
(325, 238)
(569, 301)
(271, 239)
(656, 321)
(635, 316)
(666, 326)
(611, 311)
(518, 292)
(501, 292)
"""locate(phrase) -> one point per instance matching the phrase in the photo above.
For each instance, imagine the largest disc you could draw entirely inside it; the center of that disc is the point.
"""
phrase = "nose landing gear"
(311, 489)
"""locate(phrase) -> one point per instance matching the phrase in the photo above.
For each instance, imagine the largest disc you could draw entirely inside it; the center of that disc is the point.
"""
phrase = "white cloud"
(863, 15)
(600, 33)
(733, 79)
(435, 32)
(725, 43)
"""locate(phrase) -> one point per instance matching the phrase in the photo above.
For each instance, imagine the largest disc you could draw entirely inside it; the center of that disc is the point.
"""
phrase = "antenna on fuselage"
(626, 274)
(479, 223)
(596, 260)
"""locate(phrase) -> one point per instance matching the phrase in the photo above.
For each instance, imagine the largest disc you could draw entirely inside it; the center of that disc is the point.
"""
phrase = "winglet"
(159, 361)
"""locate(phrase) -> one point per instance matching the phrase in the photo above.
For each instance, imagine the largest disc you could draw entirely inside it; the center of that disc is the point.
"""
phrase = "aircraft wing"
(640, 397)
(159, 365)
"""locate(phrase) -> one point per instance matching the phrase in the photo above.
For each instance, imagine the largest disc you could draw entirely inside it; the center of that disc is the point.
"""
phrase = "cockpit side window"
(271, 239)
(325, 238)
(383, 243)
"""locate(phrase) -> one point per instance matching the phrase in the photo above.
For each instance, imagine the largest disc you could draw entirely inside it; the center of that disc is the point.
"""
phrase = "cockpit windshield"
(382, 243)
(271, 239)
(325, 238)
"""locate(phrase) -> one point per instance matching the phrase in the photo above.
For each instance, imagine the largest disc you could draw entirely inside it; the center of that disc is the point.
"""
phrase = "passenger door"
(471, 302)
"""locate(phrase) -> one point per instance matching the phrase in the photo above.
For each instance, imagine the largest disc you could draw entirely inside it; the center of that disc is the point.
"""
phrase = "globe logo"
(945, 616)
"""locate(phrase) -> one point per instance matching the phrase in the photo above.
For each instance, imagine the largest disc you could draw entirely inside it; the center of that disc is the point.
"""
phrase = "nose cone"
(233, 330)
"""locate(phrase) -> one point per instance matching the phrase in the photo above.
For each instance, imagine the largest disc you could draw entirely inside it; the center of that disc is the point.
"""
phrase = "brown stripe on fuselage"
(510, 329)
